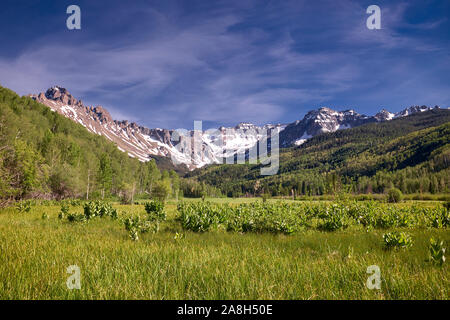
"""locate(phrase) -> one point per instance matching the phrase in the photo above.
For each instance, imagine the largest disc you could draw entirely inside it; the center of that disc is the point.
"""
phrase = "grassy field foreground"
(36, 252)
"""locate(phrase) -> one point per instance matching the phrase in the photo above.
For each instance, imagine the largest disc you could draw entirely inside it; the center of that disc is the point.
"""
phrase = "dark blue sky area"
(168, 63)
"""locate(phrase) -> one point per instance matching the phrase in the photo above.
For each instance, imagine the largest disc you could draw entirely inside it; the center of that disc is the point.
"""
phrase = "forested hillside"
(410, 153)
(45, 155)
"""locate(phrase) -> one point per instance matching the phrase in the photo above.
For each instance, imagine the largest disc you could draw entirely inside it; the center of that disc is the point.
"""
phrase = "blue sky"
(167, 63)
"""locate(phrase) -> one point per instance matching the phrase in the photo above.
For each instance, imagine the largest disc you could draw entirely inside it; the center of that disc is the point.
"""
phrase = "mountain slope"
(45, 155)
(138, 141)
(144, 143)
(212, 147)
(325, 120)
(409, 152)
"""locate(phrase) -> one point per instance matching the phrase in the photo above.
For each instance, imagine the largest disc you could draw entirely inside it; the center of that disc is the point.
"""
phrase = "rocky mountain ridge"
(212, 147)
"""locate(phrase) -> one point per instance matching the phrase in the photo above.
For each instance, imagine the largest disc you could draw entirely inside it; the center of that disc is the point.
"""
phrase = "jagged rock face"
(321, 121)
(142, 143)
(413, 109)
(214, 146)
(384, 115)
(102, 114)
(137, 141)
(59, 94)
(328, 120)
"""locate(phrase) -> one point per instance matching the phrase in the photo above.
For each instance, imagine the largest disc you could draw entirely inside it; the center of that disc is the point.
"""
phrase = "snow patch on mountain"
(215, 145)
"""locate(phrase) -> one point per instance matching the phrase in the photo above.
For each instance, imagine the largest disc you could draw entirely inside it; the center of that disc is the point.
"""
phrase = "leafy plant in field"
(64, 211)
(135, 225)
(75, 202)
(200, 216)
(437, 252)
(24, 206)
(403, 219)
(179, 236)
(365, 214)
(334, 218)
(288, 218)
(90, 210)
(440, 218)
(383, 217)
(99, 209)
(385, 221)
(76, 217)
(133, 234)
(250, 217)
(45, 216)
(155, 210)
(397, 239)
(149, 226)
(132, 225)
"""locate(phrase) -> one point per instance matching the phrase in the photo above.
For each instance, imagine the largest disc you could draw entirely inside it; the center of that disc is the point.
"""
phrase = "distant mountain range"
(325, 120)
(144, 143)
(411, 153)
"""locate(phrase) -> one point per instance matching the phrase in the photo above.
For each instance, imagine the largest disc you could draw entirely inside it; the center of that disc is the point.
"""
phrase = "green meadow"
(175, 263)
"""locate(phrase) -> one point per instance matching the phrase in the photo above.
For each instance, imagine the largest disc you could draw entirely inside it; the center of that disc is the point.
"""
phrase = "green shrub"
(155, 210)
(394, 195)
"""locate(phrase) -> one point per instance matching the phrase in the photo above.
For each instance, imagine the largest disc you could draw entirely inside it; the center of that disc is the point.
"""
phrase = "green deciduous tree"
(104, 175)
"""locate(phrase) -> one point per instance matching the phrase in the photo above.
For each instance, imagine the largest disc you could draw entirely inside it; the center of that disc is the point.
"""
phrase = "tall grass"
(310, 264)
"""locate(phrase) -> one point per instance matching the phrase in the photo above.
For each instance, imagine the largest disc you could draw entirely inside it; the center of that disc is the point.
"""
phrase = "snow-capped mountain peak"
(318, 121)
(143, 143)
(326, 119)
(413, 109)
(384, 115)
